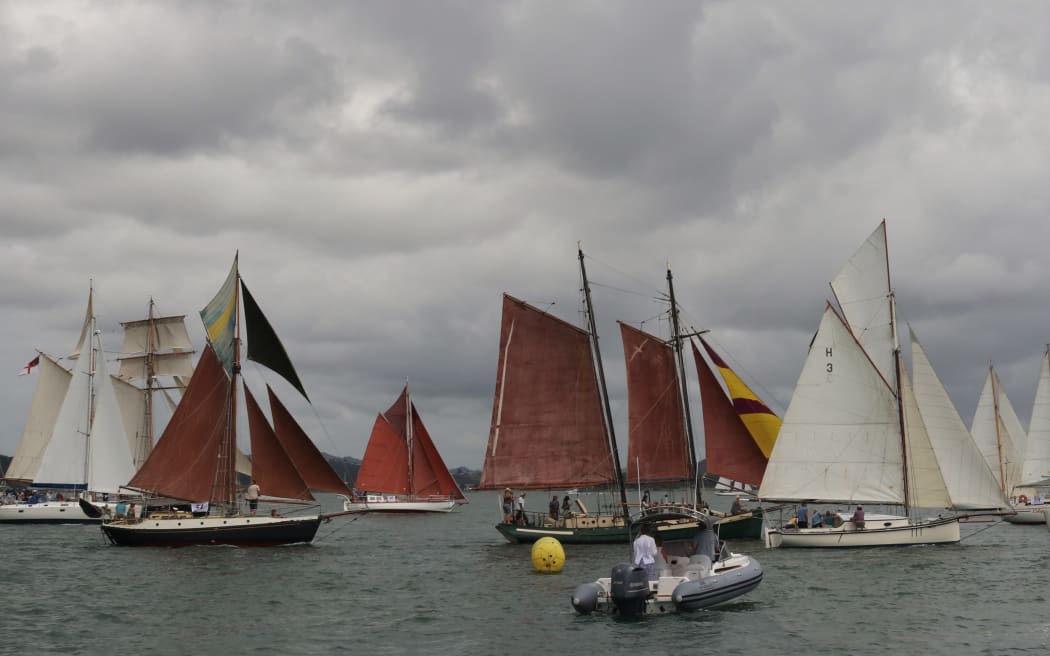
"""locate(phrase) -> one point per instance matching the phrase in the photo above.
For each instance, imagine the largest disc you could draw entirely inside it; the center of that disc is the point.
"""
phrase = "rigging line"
(616, 289)
(642, 283)
(981, 530)
(341, 527)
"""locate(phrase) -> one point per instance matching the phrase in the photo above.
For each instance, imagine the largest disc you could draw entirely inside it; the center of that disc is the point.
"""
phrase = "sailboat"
(402, 470)
(853, 432)
(195, 458)
(1030, 493)
(73, 439)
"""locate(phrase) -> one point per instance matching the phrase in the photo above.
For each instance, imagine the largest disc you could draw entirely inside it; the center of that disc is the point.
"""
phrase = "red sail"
(183, 463)
(272, 469)
(547, 429)
(388, 459)
(731, 451)
(658, 446)
(385, 465)
(309, 462)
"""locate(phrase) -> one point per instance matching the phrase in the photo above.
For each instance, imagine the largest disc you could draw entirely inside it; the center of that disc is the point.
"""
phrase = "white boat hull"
(1028, 515)
(404, 506)
(46, 512)
(884, 532)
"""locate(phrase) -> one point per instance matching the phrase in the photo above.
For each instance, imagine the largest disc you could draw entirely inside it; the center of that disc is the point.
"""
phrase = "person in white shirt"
(645, 552)
(251, 494)
(519, 510)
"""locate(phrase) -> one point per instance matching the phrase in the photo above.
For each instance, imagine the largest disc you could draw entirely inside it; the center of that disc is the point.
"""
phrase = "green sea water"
(450, 584)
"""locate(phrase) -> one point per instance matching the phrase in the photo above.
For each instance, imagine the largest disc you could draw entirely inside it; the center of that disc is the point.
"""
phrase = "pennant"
(28, 369)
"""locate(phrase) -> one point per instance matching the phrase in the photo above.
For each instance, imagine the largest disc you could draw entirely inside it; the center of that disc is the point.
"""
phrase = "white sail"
(51, 387)
(85, 329)
(926, 483)
(110, 462)
(862, 289)
(63, 462)
(132, 403)
(991, 430)
(169, 345)
(1037, 450)
(1018, 438)
(840, 440)
(971, 483)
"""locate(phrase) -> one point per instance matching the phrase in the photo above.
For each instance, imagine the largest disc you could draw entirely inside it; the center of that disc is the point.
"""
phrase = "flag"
(26, 370)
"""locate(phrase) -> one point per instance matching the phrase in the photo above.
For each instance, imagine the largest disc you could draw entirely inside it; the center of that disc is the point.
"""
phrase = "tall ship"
(194, 461)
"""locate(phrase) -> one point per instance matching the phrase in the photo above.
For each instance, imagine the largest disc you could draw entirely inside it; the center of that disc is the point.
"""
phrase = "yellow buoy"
(548, 557)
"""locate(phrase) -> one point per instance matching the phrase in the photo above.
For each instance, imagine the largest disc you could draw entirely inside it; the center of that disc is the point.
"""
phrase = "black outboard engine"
(629, 589)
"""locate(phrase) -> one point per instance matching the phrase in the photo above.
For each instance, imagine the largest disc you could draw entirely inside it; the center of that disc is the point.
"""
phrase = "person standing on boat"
(645, 552)
(553, 507)
(645, 499)
(566, 507)
(519, 510)
(251, 495)
(508, 505)
(803, 516)
(818, 519)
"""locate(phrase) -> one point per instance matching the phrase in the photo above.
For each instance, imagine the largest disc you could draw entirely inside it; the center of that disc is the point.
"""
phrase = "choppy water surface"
(451, 585)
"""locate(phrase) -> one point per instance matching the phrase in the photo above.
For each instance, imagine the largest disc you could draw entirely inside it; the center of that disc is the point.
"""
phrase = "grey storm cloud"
(388, 169)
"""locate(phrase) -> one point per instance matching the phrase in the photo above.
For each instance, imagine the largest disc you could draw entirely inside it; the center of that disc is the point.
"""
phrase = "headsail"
(309, 462)
(52, 385)
(1037, 451)
(927, 488)
(970, 482)
(762, 423)
(272, 468)
(264, 346)
(732, 451)
(658, 450)
(996, 430)
(547, 428)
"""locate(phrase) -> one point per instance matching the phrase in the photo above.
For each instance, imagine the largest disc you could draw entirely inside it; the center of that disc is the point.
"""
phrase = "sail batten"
(547, 427)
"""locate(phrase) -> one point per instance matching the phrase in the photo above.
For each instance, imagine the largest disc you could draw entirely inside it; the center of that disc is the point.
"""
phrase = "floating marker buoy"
(548, 557)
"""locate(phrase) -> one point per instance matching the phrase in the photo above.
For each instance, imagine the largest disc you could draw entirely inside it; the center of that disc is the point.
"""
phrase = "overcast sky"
(388, 169)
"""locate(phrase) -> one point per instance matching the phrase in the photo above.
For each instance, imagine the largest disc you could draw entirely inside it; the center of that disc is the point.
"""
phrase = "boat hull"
(213, 530)
(443, 506)
(740, 527)
(889, 532)
(1028, 515)
(47, 512)
(613, 534)
(667, 594)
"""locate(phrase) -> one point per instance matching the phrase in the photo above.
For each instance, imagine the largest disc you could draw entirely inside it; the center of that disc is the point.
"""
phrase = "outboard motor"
(585, 598)
(629, 589)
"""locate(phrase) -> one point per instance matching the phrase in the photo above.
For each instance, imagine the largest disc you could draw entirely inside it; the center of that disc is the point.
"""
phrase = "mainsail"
(547, 427)
(732, 450)
(970, 482)
(658, 448)
(401, 457)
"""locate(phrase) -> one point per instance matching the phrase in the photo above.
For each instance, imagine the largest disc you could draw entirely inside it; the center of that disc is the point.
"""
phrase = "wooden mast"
(606, 411)
(676, 342)
(998, 430)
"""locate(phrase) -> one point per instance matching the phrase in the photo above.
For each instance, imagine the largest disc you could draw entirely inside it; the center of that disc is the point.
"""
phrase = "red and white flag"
(28, 369)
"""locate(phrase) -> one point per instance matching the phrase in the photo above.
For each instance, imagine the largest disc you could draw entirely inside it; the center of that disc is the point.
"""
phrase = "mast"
(998, 430)
(224, 485)
(676, 342)
(606, 411)
(408, 439)
(897, 381)
(91, 396)
(145, 442)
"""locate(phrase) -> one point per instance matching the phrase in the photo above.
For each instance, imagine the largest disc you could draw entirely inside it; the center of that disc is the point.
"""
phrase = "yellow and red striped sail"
(738, 432)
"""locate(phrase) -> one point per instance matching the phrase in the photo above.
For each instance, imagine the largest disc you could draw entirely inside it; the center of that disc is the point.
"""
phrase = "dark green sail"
(263, 345)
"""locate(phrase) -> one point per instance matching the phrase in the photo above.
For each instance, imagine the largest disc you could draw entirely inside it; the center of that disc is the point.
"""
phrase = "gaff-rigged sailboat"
(402, 470)
(73, 437)
(194, 460)
(853, 432)
(550, 426)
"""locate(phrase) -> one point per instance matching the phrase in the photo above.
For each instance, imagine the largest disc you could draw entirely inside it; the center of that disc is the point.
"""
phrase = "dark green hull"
(740, 527)
(589, 535)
